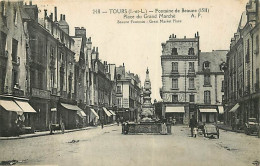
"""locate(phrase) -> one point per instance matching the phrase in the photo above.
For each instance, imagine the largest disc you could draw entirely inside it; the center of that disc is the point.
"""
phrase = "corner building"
(179, 61)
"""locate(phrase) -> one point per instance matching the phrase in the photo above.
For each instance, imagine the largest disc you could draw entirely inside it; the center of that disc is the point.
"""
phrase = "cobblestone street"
(110, 147)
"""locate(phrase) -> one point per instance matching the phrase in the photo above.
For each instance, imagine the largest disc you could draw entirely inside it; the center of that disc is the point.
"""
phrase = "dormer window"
(3, 9)
(174, 51)
(191, 51)
(119, 77)
(206, 65)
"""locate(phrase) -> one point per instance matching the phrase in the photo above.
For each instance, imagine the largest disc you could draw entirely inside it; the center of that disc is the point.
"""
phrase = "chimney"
(89, 38)
(184, 37)
(123, 64)
(45, 12)
(30, 2)
(55, 13)
(64, 17)
(195, 35)
(60, 17)
(51, 16)
(175, 36)
(97, 49)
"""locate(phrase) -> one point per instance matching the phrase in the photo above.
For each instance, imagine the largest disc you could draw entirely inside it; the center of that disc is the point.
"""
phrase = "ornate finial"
(147, 71)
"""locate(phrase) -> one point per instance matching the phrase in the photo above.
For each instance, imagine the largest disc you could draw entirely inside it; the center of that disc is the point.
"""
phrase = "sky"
(138, 46)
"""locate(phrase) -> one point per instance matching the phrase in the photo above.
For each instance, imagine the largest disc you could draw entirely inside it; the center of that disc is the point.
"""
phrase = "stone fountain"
(146, 124)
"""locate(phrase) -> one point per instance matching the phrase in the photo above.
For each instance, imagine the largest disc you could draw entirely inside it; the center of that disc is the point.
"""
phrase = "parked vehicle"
(210, 130)
(251, 126)
(59, 126)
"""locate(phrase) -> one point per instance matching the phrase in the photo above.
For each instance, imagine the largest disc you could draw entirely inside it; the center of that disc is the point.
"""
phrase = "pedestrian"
(192, 125)
(102, 122)
(117, 120)
(195, 131)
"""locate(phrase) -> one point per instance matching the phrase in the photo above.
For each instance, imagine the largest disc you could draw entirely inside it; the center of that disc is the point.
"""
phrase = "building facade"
(179, 61)
(15, 111)
(128, 94)
(210, 86)
(242, 70)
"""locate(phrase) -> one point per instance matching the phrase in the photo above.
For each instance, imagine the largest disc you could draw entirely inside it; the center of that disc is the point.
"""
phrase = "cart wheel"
(62, 128)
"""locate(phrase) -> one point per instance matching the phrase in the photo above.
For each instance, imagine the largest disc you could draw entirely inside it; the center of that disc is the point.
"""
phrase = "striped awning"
(208, 110)
(112, 112)
(10, 105)
(106, 111)
(26, 107)
(234, 109)
(172, 109)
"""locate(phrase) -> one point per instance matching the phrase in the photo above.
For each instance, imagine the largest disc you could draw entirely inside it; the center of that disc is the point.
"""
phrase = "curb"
(236, 131)
(48, 133)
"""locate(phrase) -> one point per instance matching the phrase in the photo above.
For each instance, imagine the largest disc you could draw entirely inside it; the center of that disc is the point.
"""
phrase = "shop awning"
(26, 107)
(10, 105)
(220, 110)
(174, 109)
(94, 112)
(107, 112)
(71, 107)
(81, 113)
(208, 110)
(234, 108)
(53, 109)
(112, 112)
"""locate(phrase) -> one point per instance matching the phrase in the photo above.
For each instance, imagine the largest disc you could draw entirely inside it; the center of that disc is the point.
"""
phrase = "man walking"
(193, 124)
(102, 122)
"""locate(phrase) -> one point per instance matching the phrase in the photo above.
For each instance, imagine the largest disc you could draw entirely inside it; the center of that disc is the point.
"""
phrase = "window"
(257, 79)
(118, 89)
(175, 66)
(174, 51)
(248, 79)
(174, 98)
(2, 79)
(206, 79)
(15, 78)
(3, 8)
(14, 50)
(40, 80)
(175, 83)
(3, 44)
(207, 97)
(192, 98)
(247, 51)
(191, 66)
(119, 102)
(257, 44)
(222, 86)
(191, 51)
(15, 17)
(206, 65)
(191, 83)
(52, 78)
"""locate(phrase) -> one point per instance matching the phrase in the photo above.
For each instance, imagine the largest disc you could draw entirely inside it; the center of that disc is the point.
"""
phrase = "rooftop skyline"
(138, 46)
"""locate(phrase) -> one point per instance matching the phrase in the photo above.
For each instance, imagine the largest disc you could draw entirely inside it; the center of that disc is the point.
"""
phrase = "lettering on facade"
(41, 93)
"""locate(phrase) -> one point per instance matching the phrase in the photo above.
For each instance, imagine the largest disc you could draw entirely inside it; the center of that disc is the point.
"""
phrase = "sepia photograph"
(129, 82)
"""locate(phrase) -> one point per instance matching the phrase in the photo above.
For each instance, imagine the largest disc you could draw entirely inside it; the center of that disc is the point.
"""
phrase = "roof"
(216, 57)
(243, 20)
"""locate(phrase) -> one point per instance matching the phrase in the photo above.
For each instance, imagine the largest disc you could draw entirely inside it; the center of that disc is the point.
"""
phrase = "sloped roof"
(216, 57)
(243, 20)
